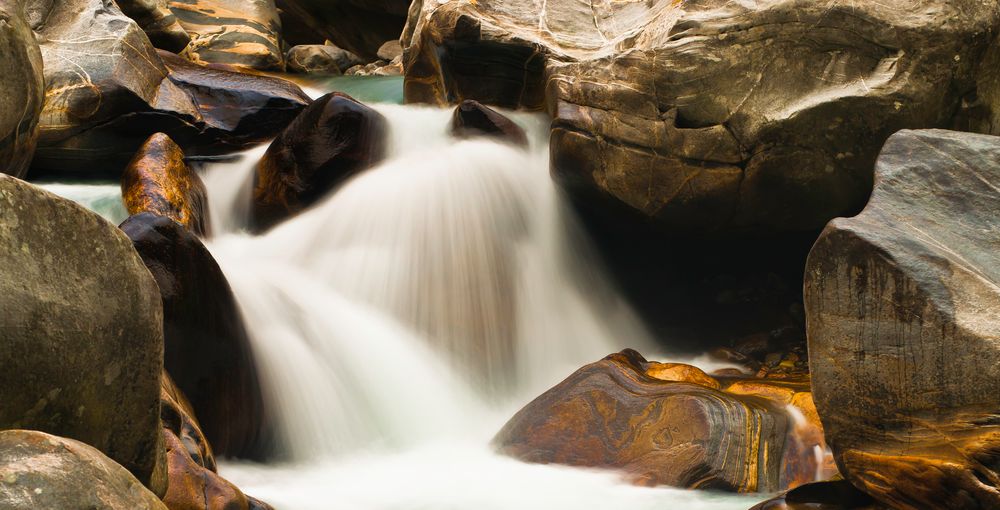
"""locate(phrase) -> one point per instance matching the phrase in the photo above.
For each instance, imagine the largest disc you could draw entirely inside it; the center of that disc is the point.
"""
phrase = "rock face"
(245, 33)
(334, 138)
(158, 22)
(903, 316)
(160, 182)
(81, 334)
(359, 26)
(39, 471)
(661, 426)
(473, 119)
(835, 495)
(206, 349)
(710, 116)
(21, 90)
(320, 59)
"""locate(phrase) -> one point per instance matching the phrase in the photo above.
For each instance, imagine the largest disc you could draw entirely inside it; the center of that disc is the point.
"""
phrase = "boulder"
(710, 117)
(158, 22)
(359, 26)
(473, 119)
(22, 90)
(903, 316)
(661, 425)
(832, 495)
(390, 50)
(39, 471)
(243, 33)
(160, 182)
(81, 334)
(320, 59)
(334, 138)
(206, 349)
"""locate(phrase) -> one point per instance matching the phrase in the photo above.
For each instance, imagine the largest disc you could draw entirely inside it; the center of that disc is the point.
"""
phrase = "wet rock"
(903, 314)
(833, 495)
(473, 119)
(320, 59)
(21, 90)
(160, 182)
(81, 330)
(206, 349)
(244, 33)
(713, 117)
(359, 26)
(334, 138)
(662, 426)
(390, 50)
(39, 471)
(158, 22)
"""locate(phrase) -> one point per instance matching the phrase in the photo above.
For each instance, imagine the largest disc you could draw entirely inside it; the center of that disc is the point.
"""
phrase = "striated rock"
(334, 138)
(160, 25)
(39, 471)
(158, 181)
(81, 338)
(359, 26)
(833, 495)
(244, 33)
(903, 316)
(660, 426)
(108, 90)
(206, 349)
(473, 119)
(21, 90)
(711, 117)
(320, 59)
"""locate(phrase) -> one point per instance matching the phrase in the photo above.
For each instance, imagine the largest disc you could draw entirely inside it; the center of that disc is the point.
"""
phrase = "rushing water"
(398, 323)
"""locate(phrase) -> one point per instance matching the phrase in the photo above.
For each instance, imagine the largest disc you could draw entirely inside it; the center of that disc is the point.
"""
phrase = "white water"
(398, 323)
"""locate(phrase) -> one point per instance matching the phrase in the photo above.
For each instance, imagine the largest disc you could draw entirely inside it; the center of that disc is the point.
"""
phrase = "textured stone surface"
(664, 426)
(160, 182)
(835, 495)
(160, 25)
(21, 90)
(359, 26)
(903, 318)
(473, 119)
(710, 116)
(320, 58)
(39, 471)
(81, 338)
(207, 351)
(334, 138)
(245, 33)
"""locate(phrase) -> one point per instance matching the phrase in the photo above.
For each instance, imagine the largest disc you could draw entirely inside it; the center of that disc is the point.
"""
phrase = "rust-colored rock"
(22, 90)
(331, 140)
(160, 182)
(616, 413)
(244, 33)
(473, 119)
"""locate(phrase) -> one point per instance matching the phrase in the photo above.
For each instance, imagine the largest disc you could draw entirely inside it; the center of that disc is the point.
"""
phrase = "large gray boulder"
(709, 116)
(81, 333)
(903, 318)
(39, 471)
(21, 90)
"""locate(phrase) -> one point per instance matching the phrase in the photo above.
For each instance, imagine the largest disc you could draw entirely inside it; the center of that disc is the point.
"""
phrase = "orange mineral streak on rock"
(681, 373)
(157, 180)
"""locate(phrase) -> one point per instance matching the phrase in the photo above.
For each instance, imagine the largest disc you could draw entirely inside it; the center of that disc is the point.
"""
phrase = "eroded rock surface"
(81, 338)
(359, 26)
(903, 317)
(245, 33)
(160, 25)
(709, 116)
(321, 59)
(473, 119)
(22, 90)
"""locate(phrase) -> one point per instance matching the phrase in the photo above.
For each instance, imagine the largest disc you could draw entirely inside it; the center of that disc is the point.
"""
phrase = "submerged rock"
(664, 426)
(82, 338)
(359, 26)
(39, 471)
(206, 349)
(473, 119)
(245, 33)
(22, 90)
(710, 117)
(160, 25)
(903, 315)
(333, 139)
(160, 182)
(321, 59)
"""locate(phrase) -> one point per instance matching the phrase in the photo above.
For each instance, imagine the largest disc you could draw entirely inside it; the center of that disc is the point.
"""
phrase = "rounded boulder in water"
(320, 59)
(22, 90)
(473, 119)
(332, 139)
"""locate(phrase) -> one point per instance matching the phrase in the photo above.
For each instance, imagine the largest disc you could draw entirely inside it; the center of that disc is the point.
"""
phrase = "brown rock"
(334, 138)
(473, 119)
(158, 22)
(160, 182)
(903, 316)
(833, 495)
(320, 58)
(390, 50)
(21, 90)
(244, 33)
(39, 471)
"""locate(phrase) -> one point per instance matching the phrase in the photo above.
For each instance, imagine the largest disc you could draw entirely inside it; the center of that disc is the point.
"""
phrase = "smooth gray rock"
(320, 59)
(22, 90)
